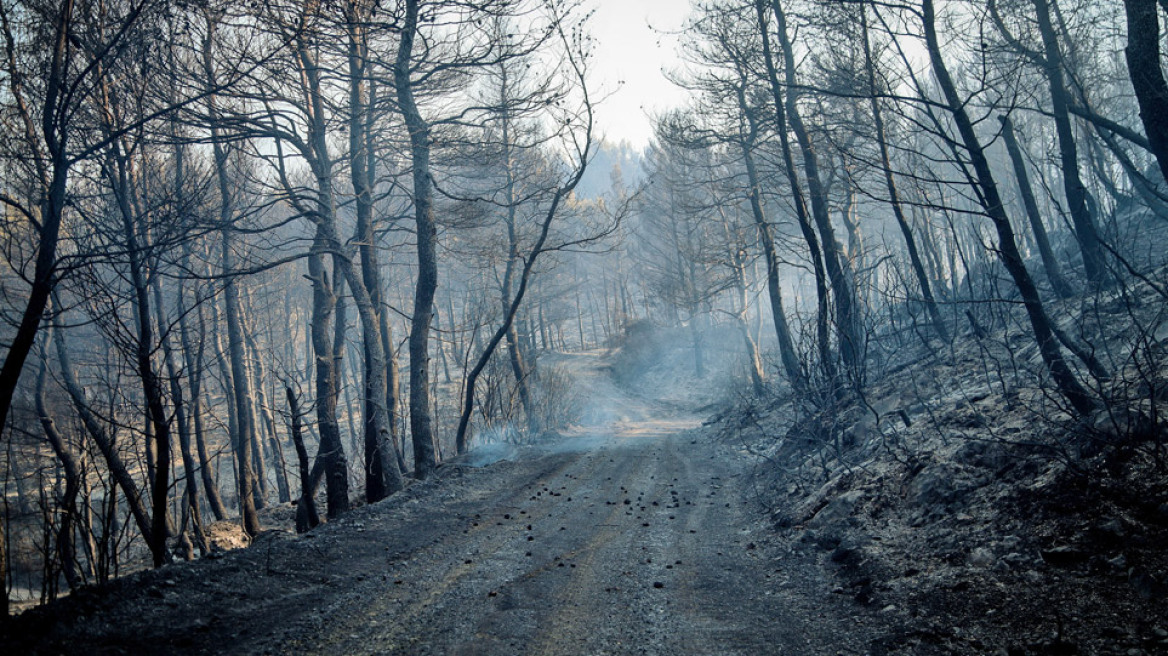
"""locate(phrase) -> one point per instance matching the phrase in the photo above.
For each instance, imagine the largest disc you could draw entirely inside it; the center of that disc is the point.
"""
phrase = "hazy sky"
(629, 51)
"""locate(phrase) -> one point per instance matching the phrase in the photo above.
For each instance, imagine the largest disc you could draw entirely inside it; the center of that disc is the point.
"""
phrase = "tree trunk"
(195, 364)
(839, 275)
(241, 396)
(382, 471)
(823, 340)
(184, 426)
(894, 195)
(118, 173)
(306, 515)
(518, 366)
(787, 353)
(267, 419)
(1049, 262)
(382, 476)
(1064, 379)
(193, 359)
(525, 274)
(65, 545)
(54, 123)
(332, 451)
(1147, 76)
(118, 471)
(1073, 187)
(757, 375)
(421, 427)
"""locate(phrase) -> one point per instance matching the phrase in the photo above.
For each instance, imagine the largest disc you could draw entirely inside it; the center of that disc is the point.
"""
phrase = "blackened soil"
(642, 543)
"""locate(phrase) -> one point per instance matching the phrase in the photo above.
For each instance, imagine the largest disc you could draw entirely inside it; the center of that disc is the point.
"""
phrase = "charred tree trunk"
(1073, 188)
(118, 172)
(266, 419)
(823, 339)
(1064, 378)
(332, 451)
(184, 427)
(240, 389)
(787, 353)
(515, 354)
(910, 241)
(119, 473)
(240, 393)
(382, 476)
(525, 275)
(754, 360)
(1049, 262)
(1144, 67)
(195, 364)
(840, 276)
(306, 515)
(381, 471)
(421, 422)
(65, 544)
(54, 127)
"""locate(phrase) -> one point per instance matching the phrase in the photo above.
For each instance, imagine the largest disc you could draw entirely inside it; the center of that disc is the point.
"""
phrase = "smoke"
(645, 387)
(495, 443)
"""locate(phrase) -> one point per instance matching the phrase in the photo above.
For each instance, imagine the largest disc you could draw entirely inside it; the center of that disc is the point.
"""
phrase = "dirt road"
(632, 536)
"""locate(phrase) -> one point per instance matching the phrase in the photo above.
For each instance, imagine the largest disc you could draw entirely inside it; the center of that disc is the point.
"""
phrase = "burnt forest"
(575, 327)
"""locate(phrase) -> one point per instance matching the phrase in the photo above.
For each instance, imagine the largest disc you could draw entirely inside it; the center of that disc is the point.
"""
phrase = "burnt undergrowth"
(957, 495)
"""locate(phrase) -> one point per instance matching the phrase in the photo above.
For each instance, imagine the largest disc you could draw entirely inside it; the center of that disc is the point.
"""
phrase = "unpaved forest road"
(632, 538)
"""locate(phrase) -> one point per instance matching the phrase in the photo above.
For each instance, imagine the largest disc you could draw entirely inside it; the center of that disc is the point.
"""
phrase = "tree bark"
(421, 422)
(1049, 262)
(1147, 76)
(1068, 385)
(1073, 188)
(839, 275)
(823, 339)
(382, 475)
(381, 471)
(910, 241)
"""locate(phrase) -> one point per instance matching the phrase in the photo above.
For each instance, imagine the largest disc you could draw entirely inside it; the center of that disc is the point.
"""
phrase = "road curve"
(642, 543)
(633, 535)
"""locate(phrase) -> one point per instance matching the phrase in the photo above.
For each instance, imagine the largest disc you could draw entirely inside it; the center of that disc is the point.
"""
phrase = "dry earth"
(632, 535)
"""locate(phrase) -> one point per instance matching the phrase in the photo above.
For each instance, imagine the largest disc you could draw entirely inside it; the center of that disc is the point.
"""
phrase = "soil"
(974, 522)
(630, 535)
(947, 527)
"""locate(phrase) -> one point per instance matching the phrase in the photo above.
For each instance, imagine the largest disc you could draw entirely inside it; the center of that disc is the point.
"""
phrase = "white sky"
(628, 62)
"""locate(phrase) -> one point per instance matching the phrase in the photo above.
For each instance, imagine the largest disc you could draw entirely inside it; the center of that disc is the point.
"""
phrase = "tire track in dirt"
(643, 546)
(630, 537)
